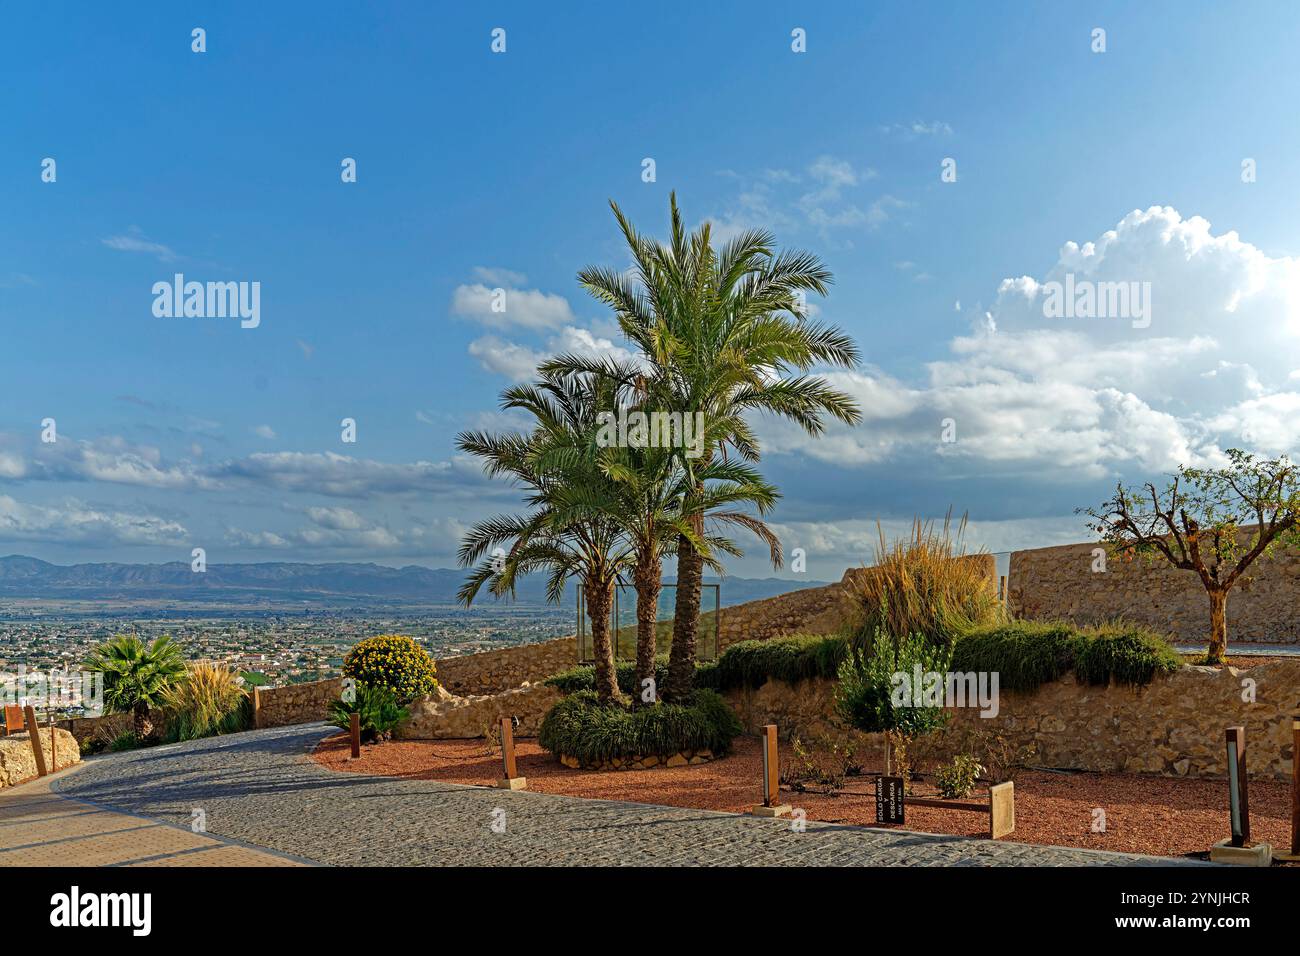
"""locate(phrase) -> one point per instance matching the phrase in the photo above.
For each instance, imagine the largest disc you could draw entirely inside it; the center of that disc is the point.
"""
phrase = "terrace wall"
(1173, 726)
(1060, 583)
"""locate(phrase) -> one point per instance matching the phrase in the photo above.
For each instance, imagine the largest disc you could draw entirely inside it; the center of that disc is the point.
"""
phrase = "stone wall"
(445, 716)
(18, 760)
(1060, 583)
(820, 610)
(494, 671)
(296, 703)
(1172, 726)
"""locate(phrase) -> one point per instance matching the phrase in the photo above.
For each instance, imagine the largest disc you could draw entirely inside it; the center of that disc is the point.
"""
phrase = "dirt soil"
(1165, 816)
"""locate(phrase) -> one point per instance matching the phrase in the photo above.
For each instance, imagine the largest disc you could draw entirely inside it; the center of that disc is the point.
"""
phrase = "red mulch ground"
(1144, 814)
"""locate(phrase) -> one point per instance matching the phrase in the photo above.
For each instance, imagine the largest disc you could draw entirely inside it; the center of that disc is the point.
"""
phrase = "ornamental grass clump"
(926, 585)
(394, 662)
(208, 701)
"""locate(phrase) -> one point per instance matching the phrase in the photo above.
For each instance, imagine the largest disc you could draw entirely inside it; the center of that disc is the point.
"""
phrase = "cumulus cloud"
(114, 460)
(511, 307)
(519, 362)
(338, 530)
(77, 522)
(1212, 370)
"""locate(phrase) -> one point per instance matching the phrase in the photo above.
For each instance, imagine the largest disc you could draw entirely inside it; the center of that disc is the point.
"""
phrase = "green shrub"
(580, 726)
(379, 709)
(1024, 654)
(1028, 654)
(789, 659)
(394, 661)
(1125, 654)
(127, 740)
(583, 677)
(865, 696)
(956, 780)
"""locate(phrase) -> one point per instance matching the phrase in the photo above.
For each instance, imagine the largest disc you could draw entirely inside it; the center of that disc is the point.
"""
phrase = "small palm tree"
(568, 533)
(137, 677)
(722, 333)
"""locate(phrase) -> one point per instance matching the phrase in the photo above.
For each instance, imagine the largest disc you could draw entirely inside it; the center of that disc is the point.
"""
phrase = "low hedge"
(1028, 654)
(583, 677)
(580, 726)
(789, 659)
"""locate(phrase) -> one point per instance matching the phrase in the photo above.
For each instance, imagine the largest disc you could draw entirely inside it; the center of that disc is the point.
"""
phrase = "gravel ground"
(1144, 814)
(263, 788)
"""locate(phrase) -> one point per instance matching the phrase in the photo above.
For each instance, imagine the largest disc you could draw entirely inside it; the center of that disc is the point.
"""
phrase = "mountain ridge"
(28, 578)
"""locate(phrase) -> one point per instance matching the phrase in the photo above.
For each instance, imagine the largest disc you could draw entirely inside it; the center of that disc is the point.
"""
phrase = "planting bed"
(1144, 814)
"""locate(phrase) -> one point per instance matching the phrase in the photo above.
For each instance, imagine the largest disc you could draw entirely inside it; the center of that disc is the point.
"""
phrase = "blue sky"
(478, 170)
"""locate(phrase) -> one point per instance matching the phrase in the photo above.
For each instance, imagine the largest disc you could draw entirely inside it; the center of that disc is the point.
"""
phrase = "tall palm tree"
(647, 497)
(720, 332)
(137, 677)
(568, 532)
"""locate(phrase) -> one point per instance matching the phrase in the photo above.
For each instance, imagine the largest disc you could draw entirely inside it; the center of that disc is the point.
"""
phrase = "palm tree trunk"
(686, 621)
(142, 725)
(599, 598)
(646, 580)
(1218, 627)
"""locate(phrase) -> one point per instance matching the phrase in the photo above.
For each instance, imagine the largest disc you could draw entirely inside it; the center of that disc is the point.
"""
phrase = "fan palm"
(137, 677)
(723, 333)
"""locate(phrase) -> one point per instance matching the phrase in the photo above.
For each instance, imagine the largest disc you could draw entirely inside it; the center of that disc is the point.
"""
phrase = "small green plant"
(394, 661)
(865, 698)
(823, 759)
(957, 780)
(379, 709)
(126, 740)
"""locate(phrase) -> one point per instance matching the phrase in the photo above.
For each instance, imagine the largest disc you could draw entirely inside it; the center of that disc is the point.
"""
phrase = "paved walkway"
(40, 828)
(262, 789)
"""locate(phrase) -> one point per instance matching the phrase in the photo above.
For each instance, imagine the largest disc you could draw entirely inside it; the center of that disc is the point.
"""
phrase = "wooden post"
(257, 707)
(511, 780)
(1002, 809)
(34, 732)
(771, 805)
(354, 728)
(1295, 785)
(1002, 588)
(1238, 796)
(54, 749)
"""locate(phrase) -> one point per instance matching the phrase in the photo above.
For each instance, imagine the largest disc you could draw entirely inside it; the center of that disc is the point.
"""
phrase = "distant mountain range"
(281, 584)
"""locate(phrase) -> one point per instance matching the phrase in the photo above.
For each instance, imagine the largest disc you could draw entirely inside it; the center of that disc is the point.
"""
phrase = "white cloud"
(264, 431)
(1095, 397)
(77, 522)
(135, 241)
(519, 362)
(520, 308)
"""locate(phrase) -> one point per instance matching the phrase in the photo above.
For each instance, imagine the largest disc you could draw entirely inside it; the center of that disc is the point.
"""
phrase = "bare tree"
(1214, 521)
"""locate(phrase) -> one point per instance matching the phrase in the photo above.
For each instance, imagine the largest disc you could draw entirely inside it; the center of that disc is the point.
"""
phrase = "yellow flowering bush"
(393, 661)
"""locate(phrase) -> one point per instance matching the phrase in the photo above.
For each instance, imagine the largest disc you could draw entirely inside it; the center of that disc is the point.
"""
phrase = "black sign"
(889, 800)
